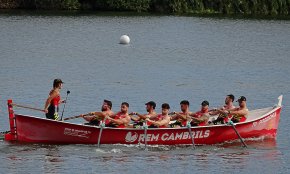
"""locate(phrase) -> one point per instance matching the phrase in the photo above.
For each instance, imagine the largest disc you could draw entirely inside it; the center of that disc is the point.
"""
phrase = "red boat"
(29, 129)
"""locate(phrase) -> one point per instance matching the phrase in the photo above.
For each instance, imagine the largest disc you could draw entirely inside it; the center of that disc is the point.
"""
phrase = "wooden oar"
(232, 124)
(28, 107)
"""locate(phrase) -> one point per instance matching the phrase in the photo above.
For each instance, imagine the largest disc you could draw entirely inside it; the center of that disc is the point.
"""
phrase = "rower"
(224, 118)
(51, 106)
(139, 120)
(161, 120)
(181, 117)
(240, 113)
(200, 118)
(94, 118)
(121, 119)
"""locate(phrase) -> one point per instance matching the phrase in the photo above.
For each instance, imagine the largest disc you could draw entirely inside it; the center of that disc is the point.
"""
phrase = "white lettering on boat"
(76, 133)
(133, 136)
(266, 119)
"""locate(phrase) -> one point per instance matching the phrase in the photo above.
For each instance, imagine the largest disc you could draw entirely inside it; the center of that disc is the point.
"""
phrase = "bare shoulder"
(53, 93)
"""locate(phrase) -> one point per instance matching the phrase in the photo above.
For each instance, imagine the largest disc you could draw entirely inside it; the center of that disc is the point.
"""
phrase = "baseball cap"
(151, 103)
(242, 98)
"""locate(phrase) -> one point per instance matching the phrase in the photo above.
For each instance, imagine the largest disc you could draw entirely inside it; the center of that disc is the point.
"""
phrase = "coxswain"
(200, 118)
(94, 118)
(51, 106)
(240, 113)
(224, 118)
(121, 119)
(182, 117)
(139, 119)
(161, 120)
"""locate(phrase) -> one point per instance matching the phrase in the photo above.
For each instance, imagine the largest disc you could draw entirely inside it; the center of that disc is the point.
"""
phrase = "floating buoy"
(124, 39)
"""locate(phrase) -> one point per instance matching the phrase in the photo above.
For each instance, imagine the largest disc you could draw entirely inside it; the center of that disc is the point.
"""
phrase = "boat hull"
(31, 129)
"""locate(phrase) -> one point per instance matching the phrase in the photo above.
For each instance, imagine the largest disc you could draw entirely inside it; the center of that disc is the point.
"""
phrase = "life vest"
(158, 118)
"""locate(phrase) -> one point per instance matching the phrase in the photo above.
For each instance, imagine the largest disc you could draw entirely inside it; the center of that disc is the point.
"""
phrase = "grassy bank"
(240, 7)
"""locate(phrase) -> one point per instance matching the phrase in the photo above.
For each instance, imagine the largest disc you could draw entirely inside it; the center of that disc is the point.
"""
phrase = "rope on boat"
(27, 107)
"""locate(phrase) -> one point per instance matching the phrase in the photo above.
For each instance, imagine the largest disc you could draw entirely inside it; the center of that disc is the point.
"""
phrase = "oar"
(102, 124)
(190, 133)
(232, 124)
(67, 93)
(28, 107)
(77, 116)
(145, 126)
(73, 117)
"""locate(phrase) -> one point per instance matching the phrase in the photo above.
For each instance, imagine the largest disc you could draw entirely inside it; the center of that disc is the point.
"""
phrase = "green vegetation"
(244, 7)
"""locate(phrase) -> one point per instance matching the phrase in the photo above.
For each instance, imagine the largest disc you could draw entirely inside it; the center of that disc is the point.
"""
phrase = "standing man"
(94, 118)
(51, 106)
(121, 119)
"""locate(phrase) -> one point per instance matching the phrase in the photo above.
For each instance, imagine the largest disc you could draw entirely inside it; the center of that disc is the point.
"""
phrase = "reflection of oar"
(190, 133)
(67, 93)
(145, 126)
(27, 107)
(232, 124)
(102, 124)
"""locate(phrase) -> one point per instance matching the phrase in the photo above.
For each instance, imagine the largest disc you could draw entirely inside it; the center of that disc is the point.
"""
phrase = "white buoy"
(124, 39)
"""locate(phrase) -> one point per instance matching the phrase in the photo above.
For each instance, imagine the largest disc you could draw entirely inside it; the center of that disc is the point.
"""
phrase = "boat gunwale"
(274, 109)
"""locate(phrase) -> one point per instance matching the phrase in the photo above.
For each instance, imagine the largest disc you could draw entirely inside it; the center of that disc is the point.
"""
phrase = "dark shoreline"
(241, 8)
(23, 12)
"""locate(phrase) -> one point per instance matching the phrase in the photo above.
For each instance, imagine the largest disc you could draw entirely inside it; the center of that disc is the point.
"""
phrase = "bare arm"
(48, 100)
(125, 120)
(135, 118)
(182, 116)
(139, 116)
(165, 121)
(203, 118)
(240, 112)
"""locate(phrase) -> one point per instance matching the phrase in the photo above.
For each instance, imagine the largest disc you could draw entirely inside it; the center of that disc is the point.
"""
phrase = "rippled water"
(169, 59)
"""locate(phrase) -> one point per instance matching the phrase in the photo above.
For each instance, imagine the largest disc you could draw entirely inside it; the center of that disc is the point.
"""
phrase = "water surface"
(169, 59)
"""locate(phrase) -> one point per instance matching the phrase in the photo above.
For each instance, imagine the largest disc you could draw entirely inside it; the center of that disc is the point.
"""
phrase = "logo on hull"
(133, 136)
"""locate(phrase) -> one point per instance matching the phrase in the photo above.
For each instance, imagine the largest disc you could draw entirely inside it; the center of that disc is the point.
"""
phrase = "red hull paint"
(38, 130)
